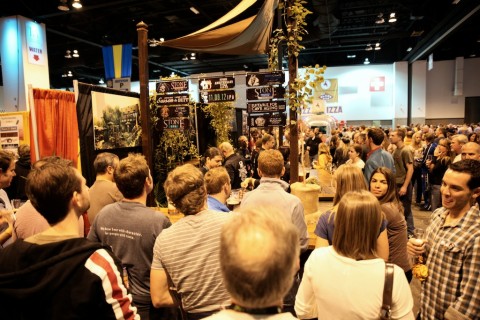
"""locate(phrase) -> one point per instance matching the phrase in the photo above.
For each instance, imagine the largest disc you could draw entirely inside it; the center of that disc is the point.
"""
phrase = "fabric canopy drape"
(249, 36)
(56, 122)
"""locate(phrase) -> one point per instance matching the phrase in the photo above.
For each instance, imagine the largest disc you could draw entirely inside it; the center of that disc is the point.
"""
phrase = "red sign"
(377, 84)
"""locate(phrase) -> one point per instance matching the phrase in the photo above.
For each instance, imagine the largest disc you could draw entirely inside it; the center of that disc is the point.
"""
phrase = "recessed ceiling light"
(76, 4)
(194, 10)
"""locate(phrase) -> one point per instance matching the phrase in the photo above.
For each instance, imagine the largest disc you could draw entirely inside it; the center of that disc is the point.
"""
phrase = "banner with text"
(267, 120)
(265, 79)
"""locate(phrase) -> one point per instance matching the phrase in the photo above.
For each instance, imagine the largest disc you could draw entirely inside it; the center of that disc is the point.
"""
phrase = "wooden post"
(147, 145)
(292, 73)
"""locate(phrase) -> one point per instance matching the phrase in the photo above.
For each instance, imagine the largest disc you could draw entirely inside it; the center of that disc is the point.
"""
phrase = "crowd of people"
(73, 252)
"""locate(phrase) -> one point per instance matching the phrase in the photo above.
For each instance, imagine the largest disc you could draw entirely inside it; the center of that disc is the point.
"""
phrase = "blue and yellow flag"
(117, 60)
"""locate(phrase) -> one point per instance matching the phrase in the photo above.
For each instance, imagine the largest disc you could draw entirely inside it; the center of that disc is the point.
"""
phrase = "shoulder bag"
(385, 311)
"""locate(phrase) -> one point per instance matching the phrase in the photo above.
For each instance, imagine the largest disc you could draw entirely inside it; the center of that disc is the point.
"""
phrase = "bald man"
(234, 164)
(471, 150)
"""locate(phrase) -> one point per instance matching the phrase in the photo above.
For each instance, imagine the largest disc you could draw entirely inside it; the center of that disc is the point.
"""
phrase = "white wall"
(441, 103)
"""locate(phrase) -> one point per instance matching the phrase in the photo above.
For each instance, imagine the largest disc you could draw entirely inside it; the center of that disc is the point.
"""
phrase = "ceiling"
(338, 29)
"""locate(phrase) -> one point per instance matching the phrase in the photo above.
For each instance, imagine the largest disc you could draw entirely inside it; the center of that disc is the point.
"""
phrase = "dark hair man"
(57, 274)
(188, 252)
(452, 246)
(104, 190)
(377, 157)
(257, 280)
(130, 228)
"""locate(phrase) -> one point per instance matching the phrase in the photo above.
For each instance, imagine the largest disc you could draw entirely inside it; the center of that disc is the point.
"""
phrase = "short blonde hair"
(185, 188)
(357, 225)
(215, 179)
(349, 178)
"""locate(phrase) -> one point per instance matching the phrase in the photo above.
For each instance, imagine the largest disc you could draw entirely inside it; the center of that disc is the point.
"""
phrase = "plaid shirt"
(452, 288)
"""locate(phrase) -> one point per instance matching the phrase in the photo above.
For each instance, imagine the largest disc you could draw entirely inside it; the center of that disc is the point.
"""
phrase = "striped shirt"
(452, 288)
(189, 251)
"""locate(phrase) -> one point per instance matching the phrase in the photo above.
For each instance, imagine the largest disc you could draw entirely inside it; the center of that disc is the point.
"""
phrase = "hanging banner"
(328, 90)
(265, 79)
(216, 83)
(262, 107)
(267, 120)
(183, 98)
(35, 43)
(265, 93)
(217, 96)
(172, 86)
(117, 61)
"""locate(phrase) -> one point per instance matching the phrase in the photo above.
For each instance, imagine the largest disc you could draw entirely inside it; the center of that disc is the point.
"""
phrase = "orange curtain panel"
(56, 124)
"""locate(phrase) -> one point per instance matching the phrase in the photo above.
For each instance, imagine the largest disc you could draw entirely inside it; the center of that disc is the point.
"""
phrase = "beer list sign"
(218, 89)
(173, 99)
(266, 104)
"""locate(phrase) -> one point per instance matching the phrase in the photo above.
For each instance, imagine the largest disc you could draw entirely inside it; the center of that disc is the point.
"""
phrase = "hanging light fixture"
(366, 61)
(193, 56)
(369, 47)
(392, 18)
(70, 74)
(68, 54)
(76, 4)
(75, 54)
(380, 19)
(63, 6)
(101, 81)
(185, 58)
(377, 46)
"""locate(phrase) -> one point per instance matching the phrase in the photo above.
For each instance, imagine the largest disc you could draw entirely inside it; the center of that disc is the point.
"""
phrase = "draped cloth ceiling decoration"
(249, 36)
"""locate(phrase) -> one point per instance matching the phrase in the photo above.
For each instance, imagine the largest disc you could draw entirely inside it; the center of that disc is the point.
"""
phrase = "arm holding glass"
(6, 217)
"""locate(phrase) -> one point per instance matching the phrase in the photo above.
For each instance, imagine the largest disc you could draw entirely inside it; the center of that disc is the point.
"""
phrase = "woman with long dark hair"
(383, 187)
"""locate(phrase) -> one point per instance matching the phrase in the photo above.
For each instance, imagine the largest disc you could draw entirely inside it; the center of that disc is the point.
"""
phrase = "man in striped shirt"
(188, 253)
(452, 246)
(58, 274)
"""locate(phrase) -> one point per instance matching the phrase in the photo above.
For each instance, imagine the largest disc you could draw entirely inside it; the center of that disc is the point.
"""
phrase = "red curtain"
(57, 127)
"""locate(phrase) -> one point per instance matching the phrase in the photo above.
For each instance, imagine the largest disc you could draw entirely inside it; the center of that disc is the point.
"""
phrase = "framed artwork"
(116, 121)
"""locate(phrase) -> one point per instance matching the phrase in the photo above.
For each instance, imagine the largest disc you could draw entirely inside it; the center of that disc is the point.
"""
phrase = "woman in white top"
(355, 156)
(346, 280)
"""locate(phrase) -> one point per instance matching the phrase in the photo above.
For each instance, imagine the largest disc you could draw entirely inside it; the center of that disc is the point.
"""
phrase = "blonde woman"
(348, 178)
(324, 157)
(346, 280)
(417, 146)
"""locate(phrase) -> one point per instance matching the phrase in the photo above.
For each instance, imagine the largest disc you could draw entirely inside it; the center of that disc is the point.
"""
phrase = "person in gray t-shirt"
(130, 228)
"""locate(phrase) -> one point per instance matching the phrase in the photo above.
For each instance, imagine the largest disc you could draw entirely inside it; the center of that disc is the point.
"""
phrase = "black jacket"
(69, 279)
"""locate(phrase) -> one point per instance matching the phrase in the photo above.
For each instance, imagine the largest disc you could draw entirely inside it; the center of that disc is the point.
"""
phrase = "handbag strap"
(387, 292)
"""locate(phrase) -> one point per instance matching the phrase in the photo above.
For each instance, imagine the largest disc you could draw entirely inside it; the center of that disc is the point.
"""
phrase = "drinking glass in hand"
(419, 269)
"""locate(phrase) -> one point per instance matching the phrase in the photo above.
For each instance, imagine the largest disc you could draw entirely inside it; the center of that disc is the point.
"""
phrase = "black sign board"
(267, 120)
(174, 123)
(174, 111)
(172, 86)
(216, 83)
(183, 98)
(217, 96)
(265, 79)
(274, 106)
(265, 93)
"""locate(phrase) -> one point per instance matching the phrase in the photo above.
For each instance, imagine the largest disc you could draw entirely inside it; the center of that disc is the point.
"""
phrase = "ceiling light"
(377, 46)
(194, 10)
(184, 58)
(76, 4)
(154, 43)
(101, 81)
(68, 54)
(392, 18)
(75, 54)
(380, 19)
(173, 74)
(455, 1)
(245, 66)
(63, 6)
(369, 47)
(351, 56)
(69, 73)
(409, 49)
(472, 55)
(193, 56)
(366, 61)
